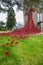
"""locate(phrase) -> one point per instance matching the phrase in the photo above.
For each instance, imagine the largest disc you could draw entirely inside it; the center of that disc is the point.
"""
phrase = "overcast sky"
(19, 15)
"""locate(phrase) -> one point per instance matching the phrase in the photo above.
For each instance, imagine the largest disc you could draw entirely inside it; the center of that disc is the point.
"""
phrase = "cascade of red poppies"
(29, 27)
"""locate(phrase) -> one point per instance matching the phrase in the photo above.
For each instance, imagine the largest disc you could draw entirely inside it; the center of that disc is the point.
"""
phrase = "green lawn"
(28, 51)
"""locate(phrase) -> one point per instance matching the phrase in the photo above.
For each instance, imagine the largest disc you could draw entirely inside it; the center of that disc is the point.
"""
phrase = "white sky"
(19, 16)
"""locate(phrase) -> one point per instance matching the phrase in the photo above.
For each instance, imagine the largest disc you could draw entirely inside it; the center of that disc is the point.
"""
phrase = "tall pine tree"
(11, 21)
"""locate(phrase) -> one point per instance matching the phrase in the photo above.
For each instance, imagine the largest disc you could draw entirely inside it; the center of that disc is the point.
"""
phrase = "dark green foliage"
(11, 21)
(2, 26)
(2, 23)
(32, 3)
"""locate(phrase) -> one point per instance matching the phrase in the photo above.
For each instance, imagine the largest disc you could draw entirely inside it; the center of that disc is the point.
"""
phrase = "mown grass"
(28, 51)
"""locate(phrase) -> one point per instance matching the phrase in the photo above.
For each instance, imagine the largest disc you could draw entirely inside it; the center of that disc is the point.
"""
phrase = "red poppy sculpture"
(29, 27)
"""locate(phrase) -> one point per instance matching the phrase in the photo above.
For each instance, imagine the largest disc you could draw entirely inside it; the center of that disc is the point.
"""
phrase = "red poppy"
(6, 53)
(14, 36)
(3, 45)
(3, 34)
(16, 42)
(12, 42)
(24, 37)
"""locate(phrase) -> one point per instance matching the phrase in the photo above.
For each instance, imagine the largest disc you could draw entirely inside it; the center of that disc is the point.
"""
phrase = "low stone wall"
(4, 31)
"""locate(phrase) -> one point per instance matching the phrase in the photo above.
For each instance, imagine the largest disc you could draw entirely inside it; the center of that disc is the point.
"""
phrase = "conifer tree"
(11, 21)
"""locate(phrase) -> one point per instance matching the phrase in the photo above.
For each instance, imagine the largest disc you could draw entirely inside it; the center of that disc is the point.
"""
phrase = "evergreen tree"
(11, 21)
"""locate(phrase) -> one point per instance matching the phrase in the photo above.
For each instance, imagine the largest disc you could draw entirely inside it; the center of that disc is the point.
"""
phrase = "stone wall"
(35, 17)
